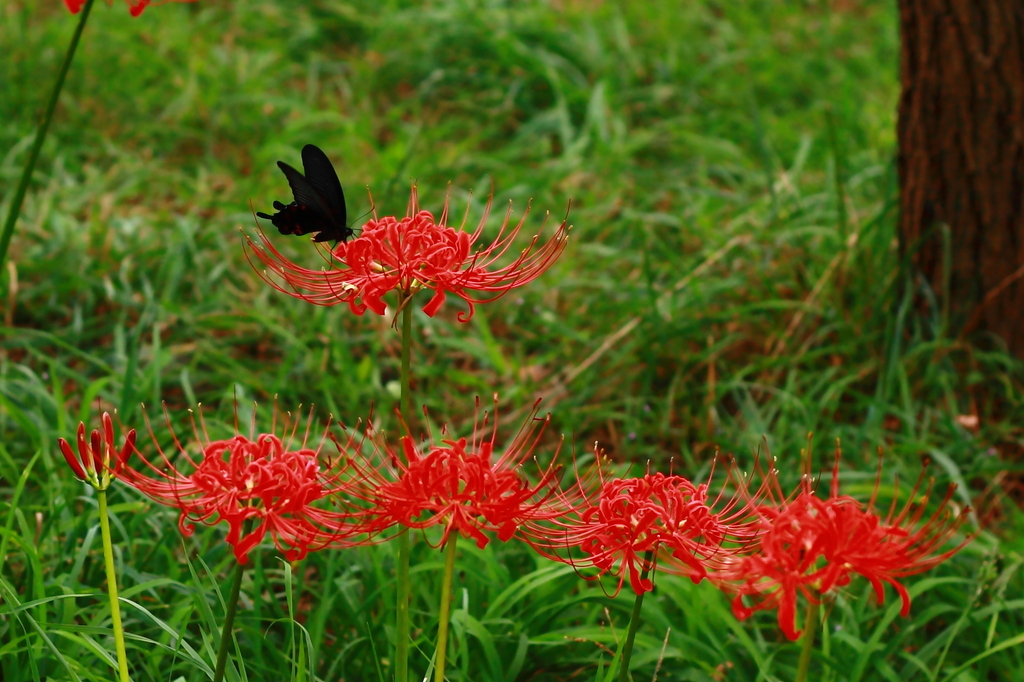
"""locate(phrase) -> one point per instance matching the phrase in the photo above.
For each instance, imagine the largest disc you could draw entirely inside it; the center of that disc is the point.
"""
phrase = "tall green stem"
(37, 145)
(115, 606)
(446, 599)
(807, 641)
(229, 622)
(634, 623)
(402, 607)
(406, 378)
(403, 539)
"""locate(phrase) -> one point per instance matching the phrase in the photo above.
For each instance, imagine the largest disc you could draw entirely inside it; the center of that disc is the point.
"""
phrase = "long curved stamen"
(410, 253)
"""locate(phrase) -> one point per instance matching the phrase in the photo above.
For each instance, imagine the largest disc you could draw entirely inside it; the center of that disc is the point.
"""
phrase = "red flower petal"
(135, 7)
(72, 460)
(408, 254)
(615, 523)
(260, 480)
(812, 546)
(93, 457)
(96, 448)
(461, 485)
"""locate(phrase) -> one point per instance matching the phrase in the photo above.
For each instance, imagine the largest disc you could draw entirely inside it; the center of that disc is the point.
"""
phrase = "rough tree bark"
(961, 157)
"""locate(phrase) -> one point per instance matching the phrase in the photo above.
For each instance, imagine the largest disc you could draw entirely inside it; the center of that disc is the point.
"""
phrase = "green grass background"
(732, 280)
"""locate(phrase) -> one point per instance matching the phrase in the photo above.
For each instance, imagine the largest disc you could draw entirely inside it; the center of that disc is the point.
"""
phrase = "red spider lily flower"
(92, 463)
(627, 527)
(412, 253)
(259, 484)
(135, 7)
(461, 484)
(811, 546)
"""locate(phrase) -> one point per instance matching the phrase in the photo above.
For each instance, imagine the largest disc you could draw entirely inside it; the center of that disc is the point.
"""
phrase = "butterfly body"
(319, 201)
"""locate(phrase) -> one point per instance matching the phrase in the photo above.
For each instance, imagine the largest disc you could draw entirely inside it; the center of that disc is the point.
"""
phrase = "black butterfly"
(319, 204)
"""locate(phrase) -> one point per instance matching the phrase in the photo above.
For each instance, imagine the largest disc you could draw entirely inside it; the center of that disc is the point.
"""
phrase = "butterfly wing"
(319, 204)
(304, 192)
(307, 213)
(322, 177)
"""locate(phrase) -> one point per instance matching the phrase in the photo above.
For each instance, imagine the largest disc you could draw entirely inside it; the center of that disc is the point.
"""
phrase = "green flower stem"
(402, 607)
(634, 624)
(229, 622)
(446, 599)
(406, 378)
(807, 645)
(37, 145)
(403, 539)
(115, 606)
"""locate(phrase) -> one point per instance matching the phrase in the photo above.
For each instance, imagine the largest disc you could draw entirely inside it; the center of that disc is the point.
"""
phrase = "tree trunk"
(961, 158)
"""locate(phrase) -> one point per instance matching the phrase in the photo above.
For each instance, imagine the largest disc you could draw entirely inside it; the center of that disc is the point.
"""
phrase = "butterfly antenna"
(353, 229)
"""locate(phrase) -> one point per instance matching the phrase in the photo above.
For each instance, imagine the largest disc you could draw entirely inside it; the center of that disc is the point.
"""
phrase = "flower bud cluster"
(97, 460)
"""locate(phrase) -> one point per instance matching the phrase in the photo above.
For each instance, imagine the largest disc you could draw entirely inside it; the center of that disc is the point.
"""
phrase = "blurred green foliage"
(732, 275)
